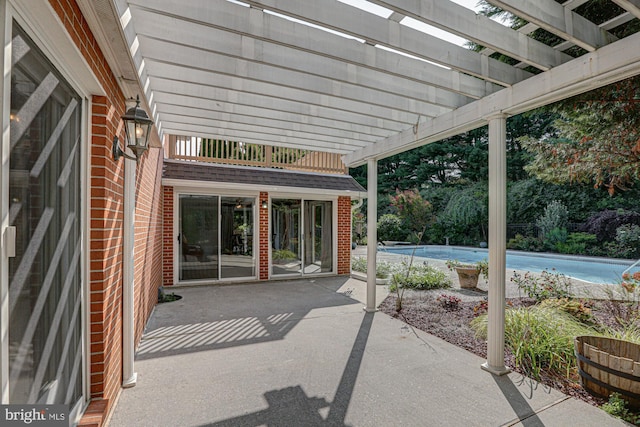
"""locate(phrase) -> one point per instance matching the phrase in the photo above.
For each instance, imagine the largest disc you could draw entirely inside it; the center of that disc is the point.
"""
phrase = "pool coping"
(586, 258)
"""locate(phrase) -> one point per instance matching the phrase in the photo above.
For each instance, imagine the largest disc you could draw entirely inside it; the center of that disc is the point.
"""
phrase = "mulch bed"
(425, 313)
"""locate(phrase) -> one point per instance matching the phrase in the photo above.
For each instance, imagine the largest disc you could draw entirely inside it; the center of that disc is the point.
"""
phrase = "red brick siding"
(106, 224)
(264, 237)
(344, 235)
(105, 254)
(167, 237)
(148, 237)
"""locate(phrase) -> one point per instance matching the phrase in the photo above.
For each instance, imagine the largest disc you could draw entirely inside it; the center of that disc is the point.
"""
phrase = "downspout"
(129, 376)
(357, 205)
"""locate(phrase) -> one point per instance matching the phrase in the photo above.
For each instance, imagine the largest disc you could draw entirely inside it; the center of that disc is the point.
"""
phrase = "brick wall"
(106, 224)
(148, 268)
(344, 235)
(264, 237)
(106, 213)
(167, 237)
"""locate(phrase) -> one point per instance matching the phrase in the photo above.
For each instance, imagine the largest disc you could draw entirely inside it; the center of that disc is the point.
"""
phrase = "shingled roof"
(210, 172)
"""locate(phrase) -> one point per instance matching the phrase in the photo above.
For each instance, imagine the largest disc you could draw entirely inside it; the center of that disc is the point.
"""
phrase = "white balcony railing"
(246, 154)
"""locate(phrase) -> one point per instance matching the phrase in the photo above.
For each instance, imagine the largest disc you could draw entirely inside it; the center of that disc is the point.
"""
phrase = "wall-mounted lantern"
(137, 128)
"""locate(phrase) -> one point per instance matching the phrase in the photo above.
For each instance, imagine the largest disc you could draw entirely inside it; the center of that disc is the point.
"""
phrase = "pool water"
(594, 270)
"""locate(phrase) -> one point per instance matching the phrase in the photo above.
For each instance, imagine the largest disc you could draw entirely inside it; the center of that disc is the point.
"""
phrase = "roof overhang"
(183, 174)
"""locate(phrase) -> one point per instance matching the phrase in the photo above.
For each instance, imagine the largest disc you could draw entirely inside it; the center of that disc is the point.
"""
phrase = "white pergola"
(363, 82)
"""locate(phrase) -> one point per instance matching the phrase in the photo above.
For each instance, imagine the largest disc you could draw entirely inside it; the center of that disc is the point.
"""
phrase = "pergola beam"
(631, 6)
(561, 21)
(204, 69)
(609, 64)
(247, 92)
(277, 119)
(376, 30)
(256, 105)
(351, 60)
(465, 23)
(271, 131)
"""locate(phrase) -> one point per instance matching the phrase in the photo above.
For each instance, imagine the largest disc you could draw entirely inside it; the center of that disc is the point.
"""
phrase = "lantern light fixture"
(137, 128)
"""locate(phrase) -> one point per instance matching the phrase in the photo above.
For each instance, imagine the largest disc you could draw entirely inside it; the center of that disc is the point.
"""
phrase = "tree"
(598, 140)
(414, 212)
(467, 213)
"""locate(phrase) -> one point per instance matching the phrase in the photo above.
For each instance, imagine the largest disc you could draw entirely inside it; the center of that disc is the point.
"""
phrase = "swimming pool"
(590, 269)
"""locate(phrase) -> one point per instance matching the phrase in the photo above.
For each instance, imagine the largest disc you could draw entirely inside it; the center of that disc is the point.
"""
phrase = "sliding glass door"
(215, 237)
(286, 251)
(236, 237)
(318, 257)
(298, 249)
(198, 238)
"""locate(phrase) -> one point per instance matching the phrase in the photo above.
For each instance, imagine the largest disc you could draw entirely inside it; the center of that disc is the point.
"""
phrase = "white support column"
(129, 376)
(497, 243)
(372, 232)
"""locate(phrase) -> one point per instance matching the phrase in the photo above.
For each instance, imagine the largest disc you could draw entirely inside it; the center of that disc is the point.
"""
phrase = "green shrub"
(555, 216)
(539, 338)
(617, 407)
(359, 264)
(283, 255)
(582, 238)
(555, 238)
(420, 277)
(577, 243)
(528, 243)
(389, 228)
(629, 333)
(628, 240)
(383, 269)
(548, 285)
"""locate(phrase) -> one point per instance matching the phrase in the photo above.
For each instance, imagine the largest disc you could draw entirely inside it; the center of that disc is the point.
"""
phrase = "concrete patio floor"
(304, 353)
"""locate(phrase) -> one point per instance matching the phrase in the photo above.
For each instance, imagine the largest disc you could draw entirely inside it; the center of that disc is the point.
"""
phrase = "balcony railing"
(246, 154)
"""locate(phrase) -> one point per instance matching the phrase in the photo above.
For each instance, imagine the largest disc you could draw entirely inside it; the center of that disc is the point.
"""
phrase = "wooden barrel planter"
(608, 365)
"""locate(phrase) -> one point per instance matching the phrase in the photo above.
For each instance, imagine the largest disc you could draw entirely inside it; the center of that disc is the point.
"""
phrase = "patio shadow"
(292, 407)
(199, 322)
(526, 414)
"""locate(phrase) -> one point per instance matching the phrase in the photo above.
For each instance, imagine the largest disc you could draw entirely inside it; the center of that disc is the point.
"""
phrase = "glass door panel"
(45, 281)
(236, 237)
(198, 238)
(318, 237)
(285, 237)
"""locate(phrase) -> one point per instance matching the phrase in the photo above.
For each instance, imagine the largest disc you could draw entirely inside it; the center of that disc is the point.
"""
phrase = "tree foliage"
(597, 141)
(605, 224)
(467, 210)
(598, 137)
(556, 216)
